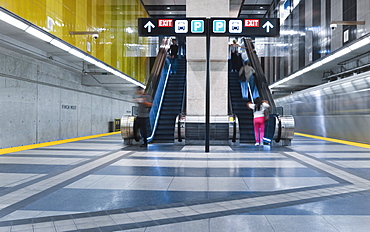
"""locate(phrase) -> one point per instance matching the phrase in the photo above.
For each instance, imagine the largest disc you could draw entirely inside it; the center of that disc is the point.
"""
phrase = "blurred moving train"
(338, 109)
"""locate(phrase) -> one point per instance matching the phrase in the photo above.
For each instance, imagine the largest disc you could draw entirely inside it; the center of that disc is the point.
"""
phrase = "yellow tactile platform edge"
(335, 140)
(38, 145)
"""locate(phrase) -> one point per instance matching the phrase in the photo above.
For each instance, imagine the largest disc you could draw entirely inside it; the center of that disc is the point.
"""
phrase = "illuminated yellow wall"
(116, 19)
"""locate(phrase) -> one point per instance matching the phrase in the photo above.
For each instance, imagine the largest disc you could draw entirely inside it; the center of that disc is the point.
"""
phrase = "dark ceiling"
(177, 8)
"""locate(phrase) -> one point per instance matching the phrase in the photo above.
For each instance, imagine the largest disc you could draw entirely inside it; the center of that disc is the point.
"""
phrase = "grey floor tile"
(151, 183)
(189, 184)
(240, 223)
(45, 229)
(193, 226)
(227, 184)
(343, 223)
(307, 223)
(65, 228)
(5, 229)
(122, 218)
(134, 230)
(88, 225)
(22, 227)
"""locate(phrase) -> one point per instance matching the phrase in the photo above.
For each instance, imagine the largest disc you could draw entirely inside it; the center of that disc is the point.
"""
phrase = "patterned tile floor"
(101, 185)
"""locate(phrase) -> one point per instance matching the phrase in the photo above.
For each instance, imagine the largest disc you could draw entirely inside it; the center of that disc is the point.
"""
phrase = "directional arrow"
(268, 25)
(149, 25)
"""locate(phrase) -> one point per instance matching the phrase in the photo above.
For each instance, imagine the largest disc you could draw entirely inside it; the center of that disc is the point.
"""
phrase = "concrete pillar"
(196, 65)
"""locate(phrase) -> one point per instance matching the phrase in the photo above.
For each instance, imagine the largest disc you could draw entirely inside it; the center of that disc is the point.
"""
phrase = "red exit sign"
(251, 22)
(165, 22)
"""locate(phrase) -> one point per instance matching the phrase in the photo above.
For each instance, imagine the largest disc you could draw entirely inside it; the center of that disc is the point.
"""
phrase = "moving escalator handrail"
(230, 104)
(158, 65)
(260, 78)
(231, 112)
(155, 81)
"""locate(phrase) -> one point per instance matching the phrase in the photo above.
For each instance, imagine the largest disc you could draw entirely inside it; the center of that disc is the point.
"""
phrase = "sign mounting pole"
(208, 48)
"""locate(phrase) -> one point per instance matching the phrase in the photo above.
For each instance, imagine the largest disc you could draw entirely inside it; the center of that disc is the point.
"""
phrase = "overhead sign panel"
(168, 27)
(261, 27)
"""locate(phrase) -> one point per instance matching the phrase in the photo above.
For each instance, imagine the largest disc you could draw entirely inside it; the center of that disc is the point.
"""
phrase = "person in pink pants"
(258, 107)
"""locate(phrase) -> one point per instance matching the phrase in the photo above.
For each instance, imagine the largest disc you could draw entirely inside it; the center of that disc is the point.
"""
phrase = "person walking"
(259, 106)
(181, 43)
(173, 52)
(246, 79)
(144, 102)
(234, 50)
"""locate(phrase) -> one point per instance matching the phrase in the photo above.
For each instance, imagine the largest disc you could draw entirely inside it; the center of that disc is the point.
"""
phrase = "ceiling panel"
(180, 2)
(159, 13)
(268, 2)
(150, 2)
(158, 8)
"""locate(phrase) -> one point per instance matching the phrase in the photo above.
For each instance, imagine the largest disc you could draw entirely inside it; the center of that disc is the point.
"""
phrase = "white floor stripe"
(22, 194)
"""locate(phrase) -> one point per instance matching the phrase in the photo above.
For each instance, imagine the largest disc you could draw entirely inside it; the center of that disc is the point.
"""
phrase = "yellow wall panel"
(116, 21)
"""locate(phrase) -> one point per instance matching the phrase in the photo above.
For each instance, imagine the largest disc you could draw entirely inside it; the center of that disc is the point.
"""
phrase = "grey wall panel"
(18, 66)
(363, 14)
(100, 114)
(84, 114)
(42, 102)
(68, 114)
(19, 120)
(47, 76)
(336, 15)
(49, 108)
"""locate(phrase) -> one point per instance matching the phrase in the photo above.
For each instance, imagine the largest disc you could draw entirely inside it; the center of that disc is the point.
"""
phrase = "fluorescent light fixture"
(109, 69)
(288, 78)
(360, 43)
(316, 64)
(39, 34)
(335, 55)
(77, 53)
(101, 65)
(90, 60)
(342, 52)
(13, 21)
(61, 45)
(328, 59)
(116, 73)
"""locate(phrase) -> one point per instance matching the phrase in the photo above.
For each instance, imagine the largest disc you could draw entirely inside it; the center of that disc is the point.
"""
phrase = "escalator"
(240, 108)
(167, 92)
(172, 104)
(279, 127)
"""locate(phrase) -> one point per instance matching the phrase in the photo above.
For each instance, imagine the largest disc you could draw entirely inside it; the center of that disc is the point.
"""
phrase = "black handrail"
(183, 103)
(234, 129)
(178, 128)
(260, 78)
(152, 83)
(230, 104)
(231, 112)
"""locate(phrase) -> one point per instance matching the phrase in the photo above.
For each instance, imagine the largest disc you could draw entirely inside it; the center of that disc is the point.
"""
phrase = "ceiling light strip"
(345, 50)
(12, 20)
(20, 23)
